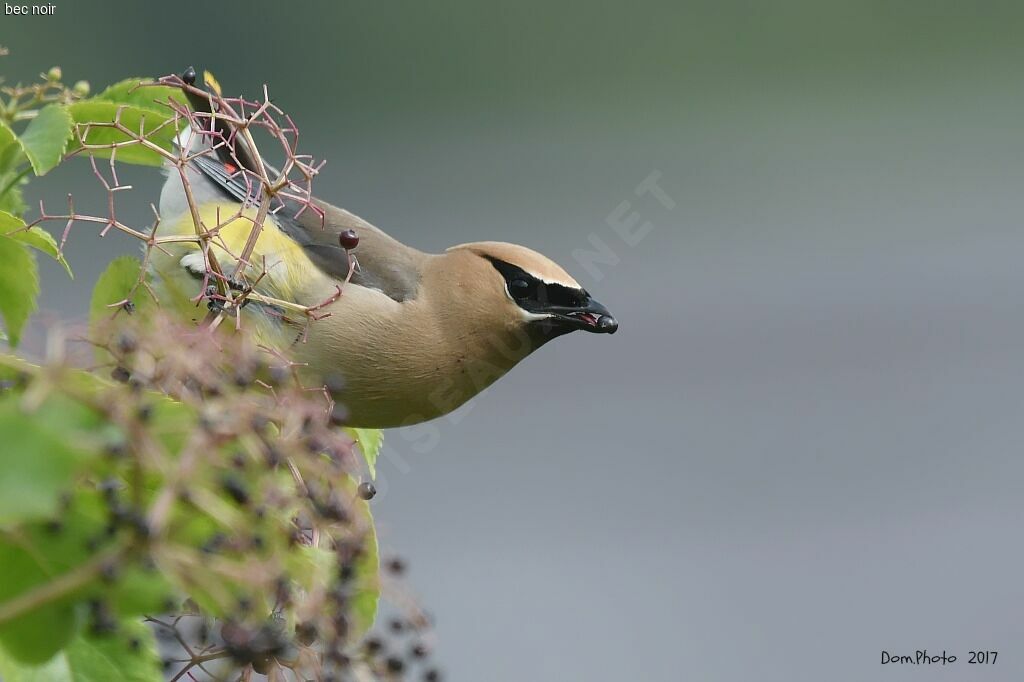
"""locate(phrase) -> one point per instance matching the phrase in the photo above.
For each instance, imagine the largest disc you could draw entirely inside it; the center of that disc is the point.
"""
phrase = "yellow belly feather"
(289, 274)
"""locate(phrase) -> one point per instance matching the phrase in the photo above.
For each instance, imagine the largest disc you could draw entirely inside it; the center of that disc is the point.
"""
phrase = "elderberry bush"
(174, 502)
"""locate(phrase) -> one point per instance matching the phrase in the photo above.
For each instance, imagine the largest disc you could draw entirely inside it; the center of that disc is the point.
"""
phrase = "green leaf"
(7, 138)
(12, 200)
(12, 176)
(10, 150)
(35, 236)
(153, 98)
(38, 461)
(367, 597)
(130, 655)
(54, 670)
(37, 553)
(19, 286)
(369, 442)
(41, 632)
(34, 555)
(136, 119)
(46, 138)
(140, 591)
(313, 566)
(115, 285)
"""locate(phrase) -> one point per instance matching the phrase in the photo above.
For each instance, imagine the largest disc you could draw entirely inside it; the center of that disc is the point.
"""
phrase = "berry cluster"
(224, 486)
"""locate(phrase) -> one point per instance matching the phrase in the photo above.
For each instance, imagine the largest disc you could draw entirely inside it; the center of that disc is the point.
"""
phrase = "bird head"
(533, 292)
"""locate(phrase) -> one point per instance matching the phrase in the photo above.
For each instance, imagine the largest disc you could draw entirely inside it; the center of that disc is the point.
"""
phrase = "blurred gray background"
(803, 447)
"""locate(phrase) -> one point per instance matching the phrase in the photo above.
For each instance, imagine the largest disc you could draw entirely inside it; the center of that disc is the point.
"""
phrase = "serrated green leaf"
(46, 138)
(10, 150)
(38, 462)
(369, 442)
(12, 177)
(36, 237)
(19, 286)
(130, 655)
(153, 98)
(136, 119)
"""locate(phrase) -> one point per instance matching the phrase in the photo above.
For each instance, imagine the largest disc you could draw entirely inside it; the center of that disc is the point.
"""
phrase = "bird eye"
(519, 287)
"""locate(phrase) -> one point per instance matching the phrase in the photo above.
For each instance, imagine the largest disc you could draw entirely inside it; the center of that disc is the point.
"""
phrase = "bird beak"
(591, 317)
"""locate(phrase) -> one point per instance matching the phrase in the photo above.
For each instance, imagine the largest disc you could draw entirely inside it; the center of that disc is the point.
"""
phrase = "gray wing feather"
(384, 263)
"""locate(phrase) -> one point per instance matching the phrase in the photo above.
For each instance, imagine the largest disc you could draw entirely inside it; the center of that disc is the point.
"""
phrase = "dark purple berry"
(348, 239)
(367, 490)
(340, 625)
(306, 633)
(261, 665)
(101, 619)
(127, 343)
(214, 544)
(235, 489)
(109, 488)
(116, 450)
(278, 374)
(109, 572)
(244, 605)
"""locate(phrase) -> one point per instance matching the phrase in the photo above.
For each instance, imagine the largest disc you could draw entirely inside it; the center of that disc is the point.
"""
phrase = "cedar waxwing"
(412, 336)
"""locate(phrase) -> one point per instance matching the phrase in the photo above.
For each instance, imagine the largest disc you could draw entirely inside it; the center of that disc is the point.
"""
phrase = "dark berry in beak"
(607, 324)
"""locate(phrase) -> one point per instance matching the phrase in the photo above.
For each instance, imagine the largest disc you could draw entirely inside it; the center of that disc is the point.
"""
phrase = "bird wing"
(383, 263)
